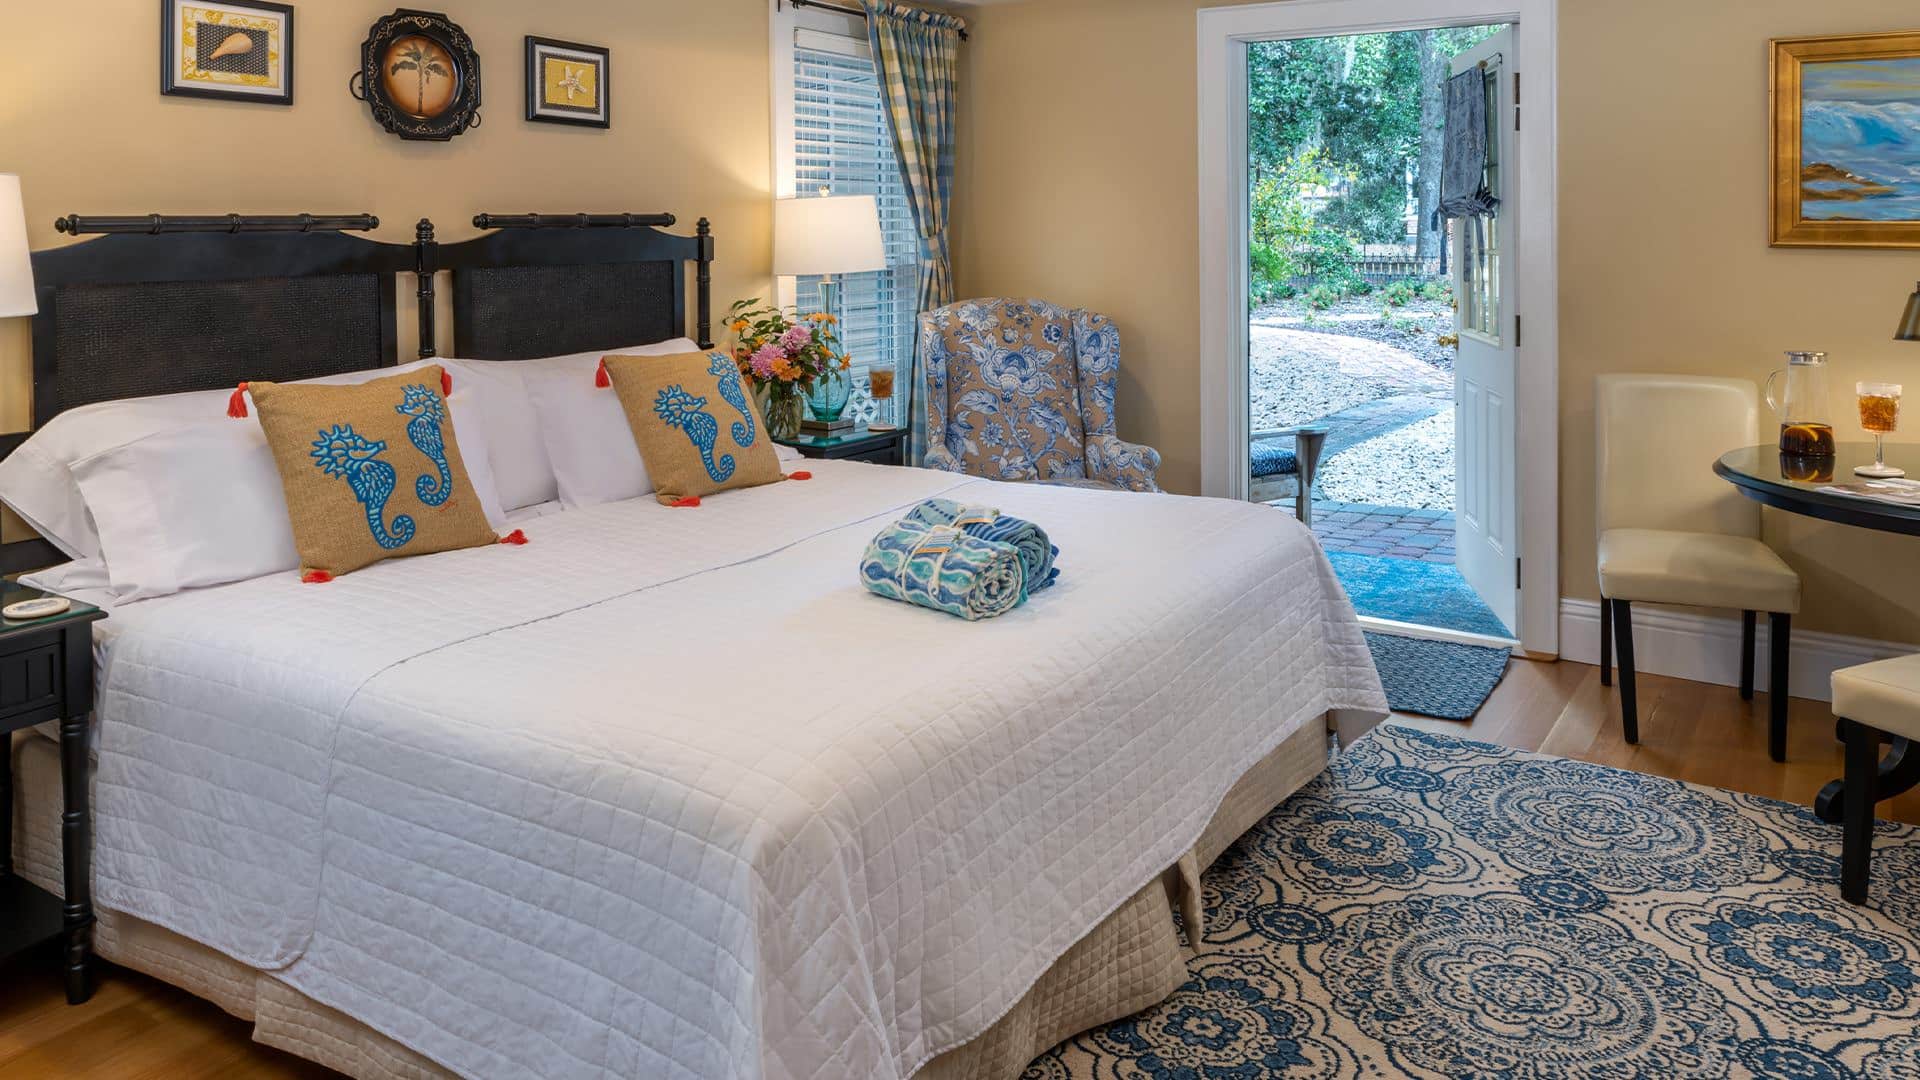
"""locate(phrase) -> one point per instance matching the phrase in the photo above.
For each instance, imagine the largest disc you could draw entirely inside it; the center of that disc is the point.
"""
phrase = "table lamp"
(826, 236)
(16, 262)
(1910, 321)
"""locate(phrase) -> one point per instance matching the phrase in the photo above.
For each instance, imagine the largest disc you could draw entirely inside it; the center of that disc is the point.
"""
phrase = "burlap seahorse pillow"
(697, 428)
(371, 472)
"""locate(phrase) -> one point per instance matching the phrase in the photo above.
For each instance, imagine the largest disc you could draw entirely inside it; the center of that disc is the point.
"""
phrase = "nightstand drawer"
(29, 680)
(885, 455)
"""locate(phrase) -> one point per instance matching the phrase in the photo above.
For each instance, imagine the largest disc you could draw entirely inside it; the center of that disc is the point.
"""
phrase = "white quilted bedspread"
(665, 793)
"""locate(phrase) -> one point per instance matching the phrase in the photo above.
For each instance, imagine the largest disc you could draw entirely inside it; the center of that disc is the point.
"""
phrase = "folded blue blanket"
(942, 568)
(1037, 552)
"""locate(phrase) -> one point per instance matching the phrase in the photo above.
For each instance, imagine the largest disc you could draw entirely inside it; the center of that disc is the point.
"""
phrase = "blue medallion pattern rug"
(1434, 907)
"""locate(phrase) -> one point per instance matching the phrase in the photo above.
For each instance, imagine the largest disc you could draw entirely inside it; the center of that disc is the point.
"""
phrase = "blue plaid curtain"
(917, 56)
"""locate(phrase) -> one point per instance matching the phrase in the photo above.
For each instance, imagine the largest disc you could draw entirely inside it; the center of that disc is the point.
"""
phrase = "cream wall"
(690, 131)
(1077, 182)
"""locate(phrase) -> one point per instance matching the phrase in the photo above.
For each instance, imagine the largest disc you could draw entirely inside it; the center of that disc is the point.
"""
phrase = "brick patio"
(1395, 531)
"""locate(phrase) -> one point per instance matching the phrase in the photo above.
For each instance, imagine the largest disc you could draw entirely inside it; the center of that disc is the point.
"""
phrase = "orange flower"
(819, 316)
(741, 326)
(846, 362)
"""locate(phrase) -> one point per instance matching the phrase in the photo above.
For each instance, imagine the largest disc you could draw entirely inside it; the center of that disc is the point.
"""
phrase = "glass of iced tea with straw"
(1880, 415)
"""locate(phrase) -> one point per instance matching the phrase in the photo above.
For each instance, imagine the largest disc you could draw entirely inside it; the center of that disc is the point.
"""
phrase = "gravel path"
(1411, 466)
(1296, 376)
(1414, 329)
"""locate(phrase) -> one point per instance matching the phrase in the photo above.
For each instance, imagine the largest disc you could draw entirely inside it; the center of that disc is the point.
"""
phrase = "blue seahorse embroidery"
(729, 376)
(424, 432)
(682, 410)
(352, 457)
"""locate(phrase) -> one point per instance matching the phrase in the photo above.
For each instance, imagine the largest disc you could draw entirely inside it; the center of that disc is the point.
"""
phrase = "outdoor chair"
(1281, 471)
(1023, 390)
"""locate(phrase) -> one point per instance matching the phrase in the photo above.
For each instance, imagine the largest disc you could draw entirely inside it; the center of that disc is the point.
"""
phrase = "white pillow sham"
(584, 430)
(521, 462)
(203, 504)
(37, 482)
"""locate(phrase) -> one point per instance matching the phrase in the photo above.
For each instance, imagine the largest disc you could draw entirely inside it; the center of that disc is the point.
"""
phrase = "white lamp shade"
(832, 234)
(16, 268)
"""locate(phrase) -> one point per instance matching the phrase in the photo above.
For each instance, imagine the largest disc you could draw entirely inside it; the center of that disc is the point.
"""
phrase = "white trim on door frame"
(1223, 37)
(1706, 648)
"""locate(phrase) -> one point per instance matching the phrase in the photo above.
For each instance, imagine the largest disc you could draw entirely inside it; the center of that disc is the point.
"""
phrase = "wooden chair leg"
(1863, 769)
(1779, 634)
(1606, 642)
(1748, 621)
(1623, 645)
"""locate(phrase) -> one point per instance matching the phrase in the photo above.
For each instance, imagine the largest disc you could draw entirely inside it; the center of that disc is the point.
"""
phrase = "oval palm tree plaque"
(420, 76)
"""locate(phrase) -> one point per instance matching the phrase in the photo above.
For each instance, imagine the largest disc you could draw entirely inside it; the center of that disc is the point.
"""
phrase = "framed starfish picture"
(568, 83)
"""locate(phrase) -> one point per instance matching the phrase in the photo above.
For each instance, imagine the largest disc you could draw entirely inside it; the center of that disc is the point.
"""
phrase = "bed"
(664, 793)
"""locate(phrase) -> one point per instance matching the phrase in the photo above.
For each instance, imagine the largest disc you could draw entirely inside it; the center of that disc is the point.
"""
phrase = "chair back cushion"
(1004, 391)
(1658, 437)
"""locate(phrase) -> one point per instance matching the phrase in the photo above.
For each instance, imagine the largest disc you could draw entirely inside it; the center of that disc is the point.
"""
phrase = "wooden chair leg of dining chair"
(1748, 621)
(1623, 645)
(1606, 642)
(1856, 827)
(1779, 636)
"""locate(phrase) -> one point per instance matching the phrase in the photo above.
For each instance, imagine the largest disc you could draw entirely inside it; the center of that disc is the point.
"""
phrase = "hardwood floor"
(136, 1027)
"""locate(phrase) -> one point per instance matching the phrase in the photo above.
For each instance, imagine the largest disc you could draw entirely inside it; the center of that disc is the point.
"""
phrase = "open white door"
(1487, 539)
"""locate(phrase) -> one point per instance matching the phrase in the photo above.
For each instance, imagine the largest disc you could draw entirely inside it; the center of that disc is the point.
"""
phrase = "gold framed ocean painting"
(569, 83)
(1846, 141)
(237, 50)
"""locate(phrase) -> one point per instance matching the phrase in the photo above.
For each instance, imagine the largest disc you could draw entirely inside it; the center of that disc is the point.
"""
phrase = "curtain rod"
(837, 9)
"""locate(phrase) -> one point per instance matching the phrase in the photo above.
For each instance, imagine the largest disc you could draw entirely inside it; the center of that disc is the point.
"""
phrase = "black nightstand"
(872, 447)
(46, 673)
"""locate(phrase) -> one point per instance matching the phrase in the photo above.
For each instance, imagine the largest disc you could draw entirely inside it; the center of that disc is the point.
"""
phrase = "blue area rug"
(1411, 591)
(1437, 678)
(1433, 907)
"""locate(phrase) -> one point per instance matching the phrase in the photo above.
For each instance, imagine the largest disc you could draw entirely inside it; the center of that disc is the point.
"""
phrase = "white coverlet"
(666, 793)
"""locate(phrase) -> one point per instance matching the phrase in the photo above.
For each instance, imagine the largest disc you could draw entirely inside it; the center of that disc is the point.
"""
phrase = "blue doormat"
(1437, 678)
(1411, 591)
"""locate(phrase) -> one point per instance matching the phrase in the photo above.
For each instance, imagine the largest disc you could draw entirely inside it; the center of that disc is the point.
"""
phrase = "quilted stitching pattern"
(621, 877)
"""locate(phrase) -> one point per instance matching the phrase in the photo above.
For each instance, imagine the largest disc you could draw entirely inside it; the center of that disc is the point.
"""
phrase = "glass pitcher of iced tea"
(1805, 428)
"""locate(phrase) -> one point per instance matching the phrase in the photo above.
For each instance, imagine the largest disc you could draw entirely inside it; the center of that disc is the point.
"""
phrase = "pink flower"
(763, 361)
(797, 338)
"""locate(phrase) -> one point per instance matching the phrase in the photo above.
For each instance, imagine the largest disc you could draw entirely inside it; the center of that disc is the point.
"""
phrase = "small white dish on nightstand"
(36, 609)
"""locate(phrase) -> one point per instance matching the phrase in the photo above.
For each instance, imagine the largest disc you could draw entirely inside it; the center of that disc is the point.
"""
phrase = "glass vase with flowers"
(788, 358)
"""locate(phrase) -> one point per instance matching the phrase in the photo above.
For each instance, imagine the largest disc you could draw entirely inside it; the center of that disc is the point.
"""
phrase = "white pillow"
(588, 440)
(521, 463)
(37, 481)
(203, 504)
(84, 579)
(583, 428)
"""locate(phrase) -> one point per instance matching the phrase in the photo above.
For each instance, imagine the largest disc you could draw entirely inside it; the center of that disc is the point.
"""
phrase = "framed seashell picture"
(238, 50)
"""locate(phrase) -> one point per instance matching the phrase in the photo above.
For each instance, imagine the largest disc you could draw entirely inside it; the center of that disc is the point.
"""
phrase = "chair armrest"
(1123, 464)
(938, 458)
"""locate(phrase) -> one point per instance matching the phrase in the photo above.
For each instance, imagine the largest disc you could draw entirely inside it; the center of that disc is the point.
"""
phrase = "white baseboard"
(1707, 649)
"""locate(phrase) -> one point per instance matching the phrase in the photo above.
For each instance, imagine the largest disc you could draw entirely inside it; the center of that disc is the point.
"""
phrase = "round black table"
(1765, 475)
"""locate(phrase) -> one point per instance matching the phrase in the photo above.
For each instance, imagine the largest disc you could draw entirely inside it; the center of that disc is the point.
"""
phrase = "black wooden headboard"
(167, 304)
(554, 284)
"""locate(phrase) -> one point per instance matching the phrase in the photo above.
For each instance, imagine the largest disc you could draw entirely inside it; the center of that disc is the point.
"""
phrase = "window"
(841, 146)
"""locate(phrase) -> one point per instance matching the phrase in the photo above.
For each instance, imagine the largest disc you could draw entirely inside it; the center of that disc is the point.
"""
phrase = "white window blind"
(842, 147)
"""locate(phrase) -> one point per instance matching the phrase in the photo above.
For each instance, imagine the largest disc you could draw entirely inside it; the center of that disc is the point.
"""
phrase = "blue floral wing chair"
(1023, 390)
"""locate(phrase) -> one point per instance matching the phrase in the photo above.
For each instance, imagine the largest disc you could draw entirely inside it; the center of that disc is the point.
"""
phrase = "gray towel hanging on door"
(1463, 170)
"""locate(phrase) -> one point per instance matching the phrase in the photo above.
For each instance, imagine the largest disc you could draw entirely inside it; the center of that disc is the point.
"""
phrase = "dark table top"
(1763, 474)
(858, 434)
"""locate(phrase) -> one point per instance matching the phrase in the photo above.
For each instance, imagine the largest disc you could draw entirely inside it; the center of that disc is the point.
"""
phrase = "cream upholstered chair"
(1872, 700)
(1671, 532)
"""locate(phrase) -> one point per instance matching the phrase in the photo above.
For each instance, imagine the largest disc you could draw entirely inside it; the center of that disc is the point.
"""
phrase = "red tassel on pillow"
(237, 404)
(600, 378)
(689, 501)
(446, 383)
(801, 475)
(516, 538)
(315, 577)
